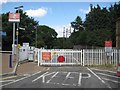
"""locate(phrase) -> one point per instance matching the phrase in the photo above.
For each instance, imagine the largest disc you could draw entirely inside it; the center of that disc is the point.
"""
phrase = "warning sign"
(14, 17)
(108, 43)
(46, 55)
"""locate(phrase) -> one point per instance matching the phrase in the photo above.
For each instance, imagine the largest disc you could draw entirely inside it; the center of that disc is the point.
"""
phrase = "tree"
(47, 36)
(77, 24)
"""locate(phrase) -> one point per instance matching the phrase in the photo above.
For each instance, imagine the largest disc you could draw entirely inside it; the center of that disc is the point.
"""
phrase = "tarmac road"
(67, 77)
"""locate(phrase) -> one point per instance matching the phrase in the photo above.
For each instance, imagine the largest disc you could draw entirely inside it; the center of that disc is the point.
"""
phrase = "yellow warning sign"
(18, 46)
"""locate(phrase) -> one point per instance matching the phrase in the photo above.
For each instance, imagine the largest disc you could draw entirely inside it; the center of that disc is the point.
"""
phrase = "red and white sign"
(46, 55)
(108, 43)
(14, 17)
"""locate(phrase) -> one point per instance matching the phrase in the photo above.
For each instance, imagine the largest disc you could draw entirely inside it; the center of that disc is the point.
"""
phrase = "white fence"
(99, 57)
(79, 57)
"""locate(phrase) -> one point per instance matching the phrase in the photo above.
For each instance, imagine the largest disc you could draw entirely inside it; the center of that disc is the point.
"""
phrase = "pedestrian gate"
(51, 57)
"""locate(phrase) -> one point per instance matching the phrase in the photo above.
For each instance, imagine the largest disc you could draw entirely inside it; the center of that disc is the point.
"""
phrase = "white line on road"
(66, 84)
(80, 77)
(108, 75)
(39, 77)
(43, 76)
(8, 80)
(68, 74)
(86, 76)
(98, 77)
(110, 80)
(103, 70)
(52, 77)
(48, 69)
(20, 79)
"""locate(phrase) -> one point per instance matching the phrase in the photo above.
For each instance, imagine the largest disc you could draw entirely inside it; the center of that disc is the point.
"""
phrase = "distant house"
(118, 33)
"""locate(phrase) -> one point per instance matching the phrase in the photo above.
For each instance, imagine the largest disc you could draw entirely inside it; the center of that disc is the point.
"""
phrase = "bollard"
(10, 62)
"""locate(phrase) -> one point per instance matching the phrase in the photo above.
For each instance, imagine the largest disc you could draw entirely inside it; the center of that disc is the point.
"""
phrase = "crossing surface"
(66, 77)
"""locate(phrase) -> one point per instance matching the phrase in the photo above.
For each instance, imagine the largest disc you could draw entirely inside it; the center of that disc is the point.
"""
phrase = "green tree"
(77, 24)
(47, 36)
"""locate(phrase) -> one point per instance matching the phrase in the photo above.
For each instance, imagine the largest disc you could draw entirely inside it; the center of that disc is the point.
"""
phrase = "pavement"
(6, 69)
(23, 68)
(29, 68)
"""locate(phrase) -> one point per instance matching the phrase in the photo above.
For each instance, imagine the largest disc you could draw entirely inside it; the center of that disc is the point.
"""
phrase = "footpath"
(22, 68)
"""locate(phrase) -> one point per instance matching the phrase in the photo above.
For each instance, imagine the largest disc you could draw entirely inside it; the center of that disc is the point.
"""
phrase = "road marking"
(8, 80)
(111, 80)
(68, 75)
(95, 75)
(39, 77)
(108, 75)
(20, 79)
(103, 70)
(48, 69)
(9, 77)
(43, 76)
(52, 77)
(66, 84)
(80, 77)
(86, 76)
(99, 78)
(36, 73)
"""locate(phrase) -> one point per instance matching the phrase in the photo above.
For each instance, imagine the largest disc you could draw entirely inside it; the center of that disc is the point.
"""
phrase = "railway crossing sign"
(14, 17)
(108, 47)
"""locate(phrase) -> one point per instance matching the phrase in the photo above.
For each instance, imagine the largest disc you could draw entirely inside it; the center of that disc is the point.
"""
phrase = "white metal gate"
(78, 57)
(71, 57)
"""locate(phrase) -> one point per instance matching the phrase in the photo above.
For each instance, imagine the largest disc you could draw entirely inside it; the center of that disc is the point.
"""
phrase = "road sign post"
(14, 18)
(108, 50)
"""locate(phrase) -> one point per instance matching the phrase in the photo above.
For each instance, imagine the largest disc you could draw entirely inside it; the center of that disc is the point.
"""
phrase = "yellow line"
(9, 77)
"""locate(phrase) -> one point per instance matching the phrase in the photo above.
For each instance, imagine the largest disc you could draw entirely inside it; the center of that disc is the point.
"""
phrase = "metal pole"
(36, 36)
(13, 39)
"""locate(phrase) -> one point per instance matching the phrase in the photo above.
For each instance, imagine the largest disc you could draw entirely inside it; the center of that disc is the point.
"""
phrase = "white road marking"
(68, 75)
(52, 77)
(43, 76)
(98, 77)
(66, 84)
(111, 80)
(103, 70)
(8, 80)
(80, 77)
(20, 79)
(108, 75)
(36, 73)
(48, 69)
(87, 76)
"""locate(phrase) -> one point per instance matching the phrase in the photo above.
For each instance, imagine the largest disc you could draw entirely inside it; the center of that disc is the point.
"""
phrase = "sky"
(56, 15)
